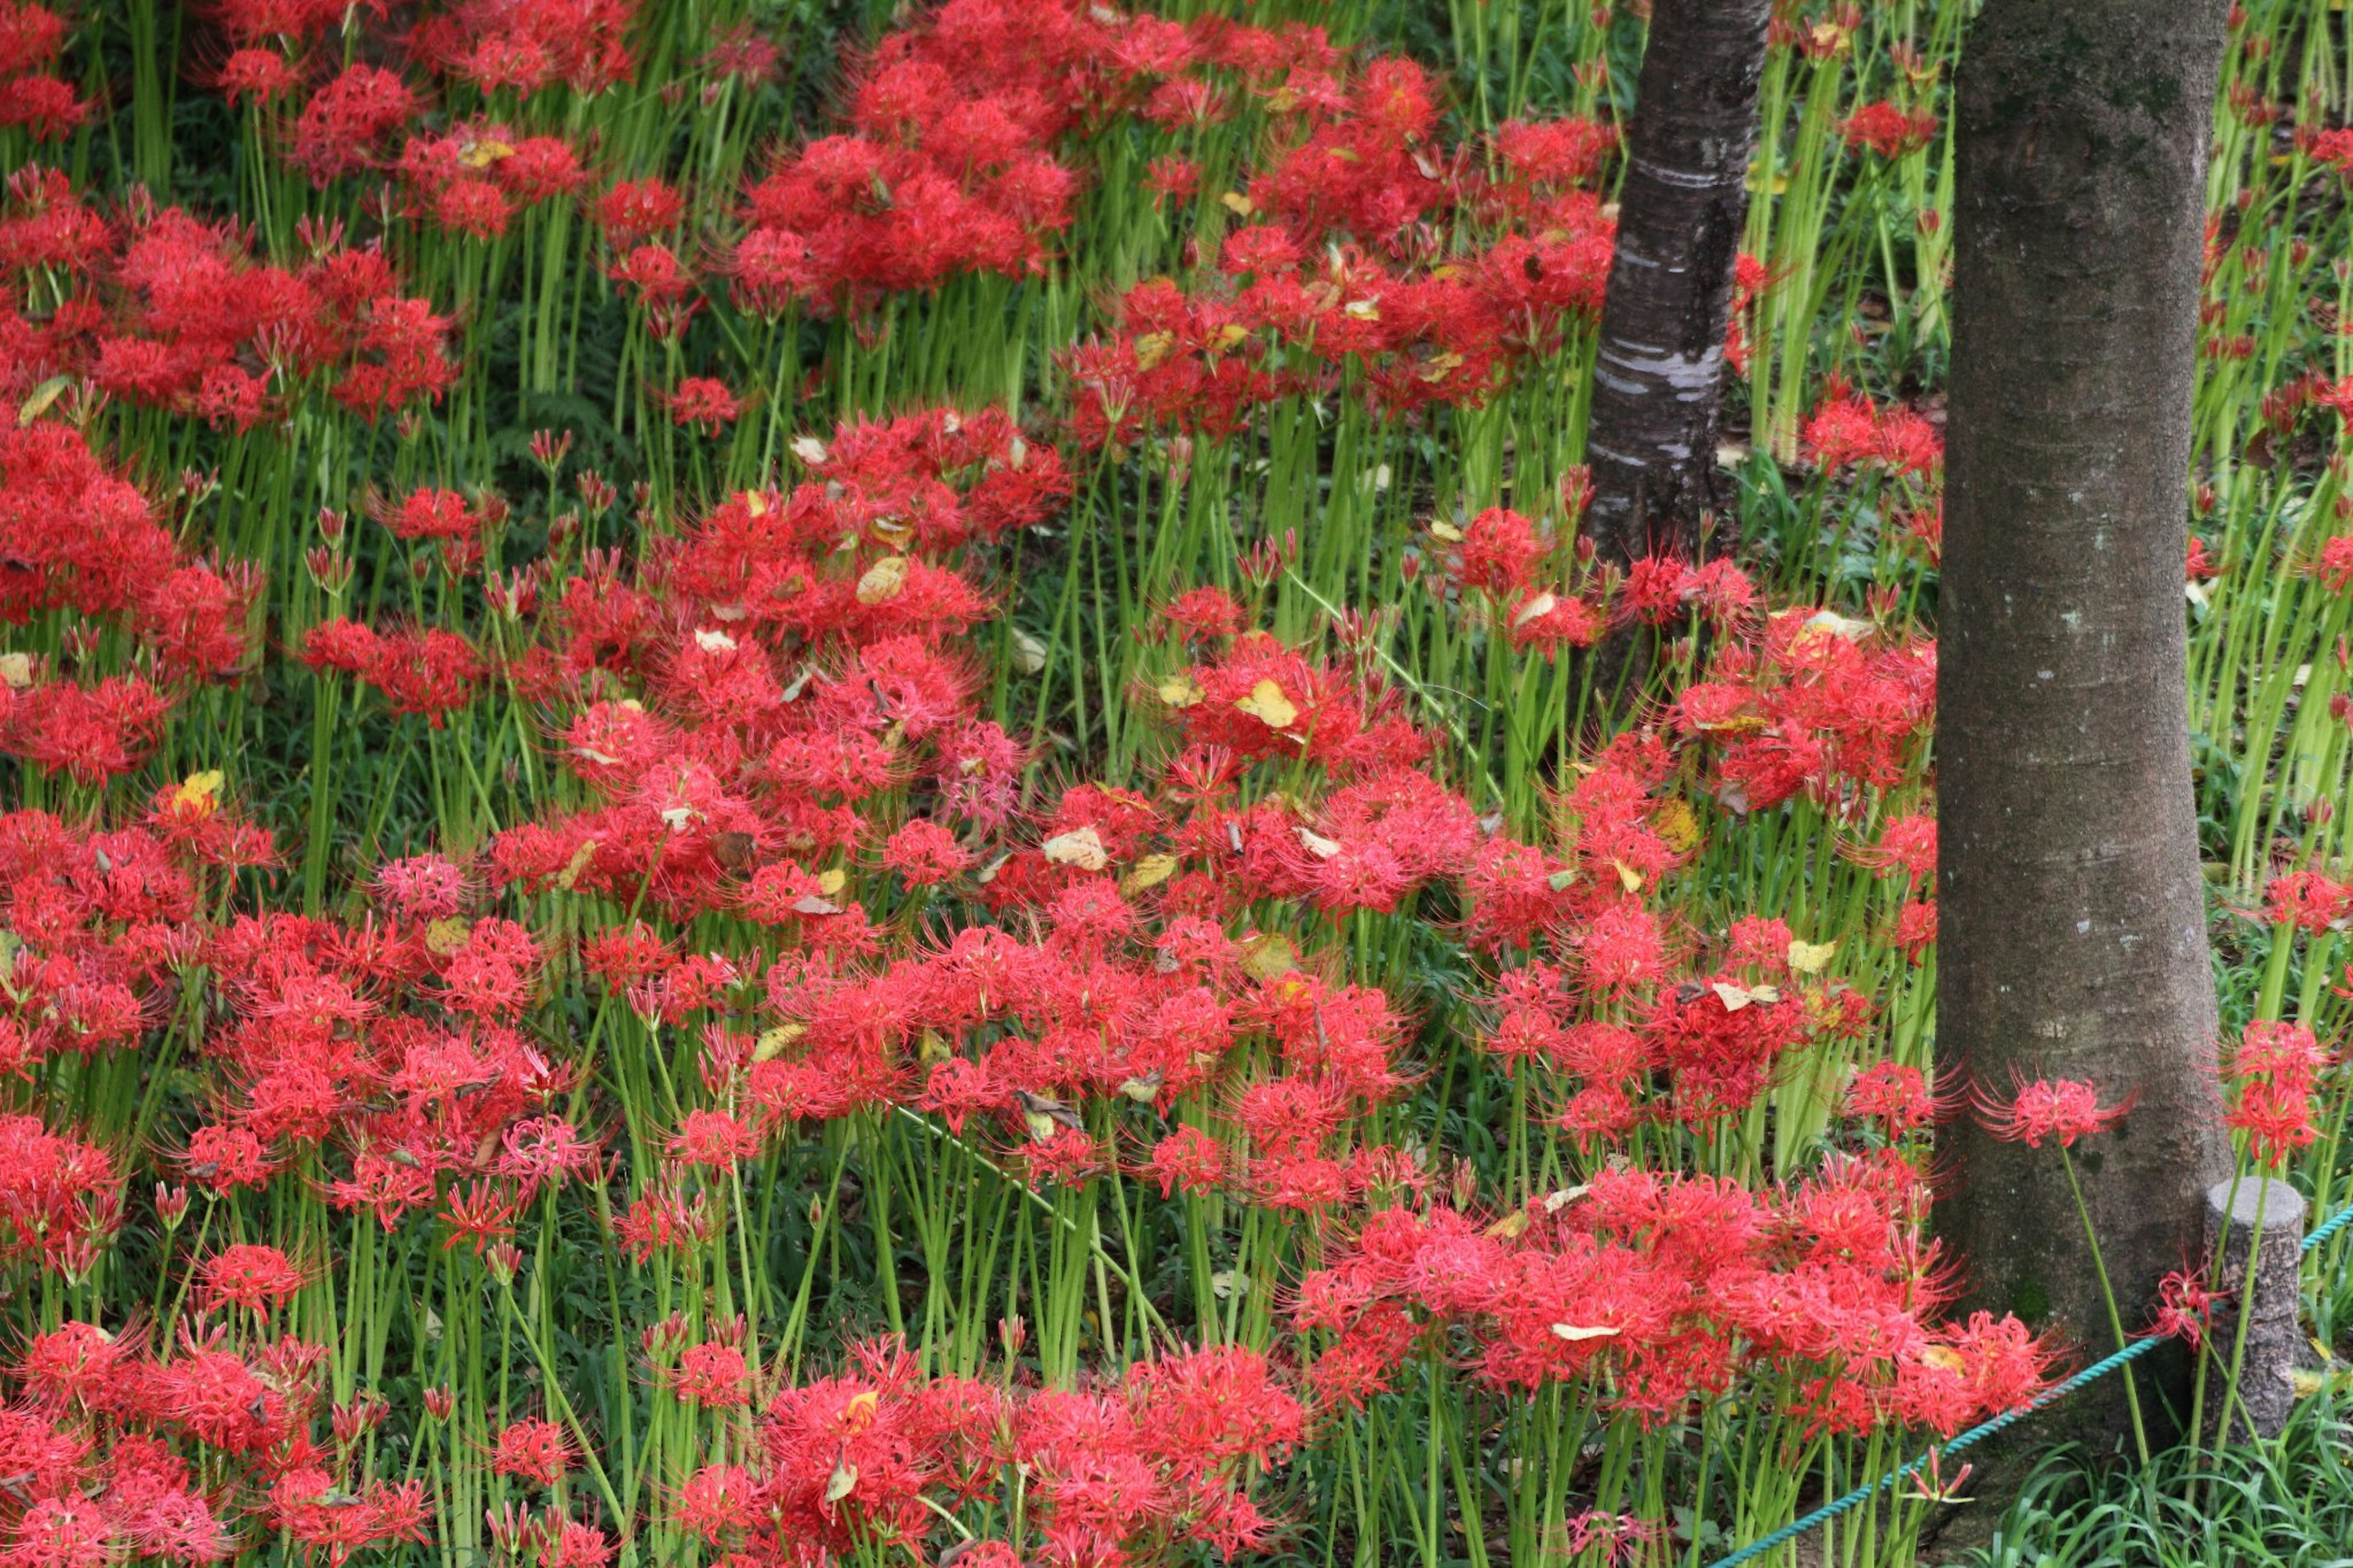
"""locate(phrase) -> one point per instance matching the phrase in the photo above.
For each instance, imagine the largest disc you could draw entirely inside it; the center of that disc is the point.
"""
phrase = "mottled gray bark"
(1659, 379)
(2073, 937)
(2264, 1219)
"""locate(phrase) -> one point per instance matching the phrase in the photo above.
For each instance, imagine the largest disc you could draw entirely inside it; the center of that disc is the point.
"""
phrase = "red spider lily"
(1884, 129)
(1907, 844)
(93, 734)
(1826, 708)
(714, 1139)
(343, 125)
(31, 96)
(55, 1192)
(569, 1544)
(2308, 901)
(430, 672)
(712, 1376)
(2277, 1067)
(1616, 1538)
(477, 1215)
(2058, 1110)
(1896, 1097)
(254, 1277)
(704, 403)
(1916, 928)
(2185, 1306)
(431, 514)
(664, 1222)
(533, 1451)
(1846, 428)
(78, 536)
(307, 1504)
(74, 1365)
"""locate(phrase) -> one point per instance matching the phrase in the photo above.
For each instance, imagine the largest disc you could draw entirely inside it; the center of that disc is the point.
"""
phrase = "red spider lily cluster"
(1665, 1289)
(1342, 282)
(163, 310)
(33, 93)
(2278, 1067)
(1132, 1468)
(80, 539)
(125, 1449)
(772, 720)
(783, 795)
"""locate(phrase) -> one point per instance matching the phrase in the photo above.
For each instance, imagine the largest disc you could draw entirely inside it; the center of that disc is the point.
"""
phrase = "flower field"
(791, 782)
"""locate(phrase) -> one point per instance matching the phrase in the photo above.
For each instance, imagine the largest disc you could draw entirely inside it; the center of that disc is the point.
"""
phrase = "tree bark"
(1659, 379)
(2072, 912)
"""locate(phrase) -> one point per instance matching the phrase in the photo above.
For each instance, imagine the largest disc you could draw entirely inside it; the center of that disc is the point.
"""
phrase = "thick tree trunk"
(2073, 913)
(1659, 378)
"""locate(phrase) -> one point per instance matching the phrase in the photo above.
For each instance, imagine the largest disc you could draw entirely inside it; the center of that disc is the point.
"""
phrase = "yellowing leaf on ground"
(570, 876)
(1673, 822)
(200, 791)
(1735, 997)
(1082, 846)
(1029, 653)
(1830, 623)
(1181, 691)
(772, 1043)
(446, 935)
(1438, 367)
(1268, 705)
(1043, 1116)
(1268, 957)
(38, 403)
(882, 580)
(1151, 348)
(1148, 872)
(1808, 957)
(1574, 1332)
(1323, 848)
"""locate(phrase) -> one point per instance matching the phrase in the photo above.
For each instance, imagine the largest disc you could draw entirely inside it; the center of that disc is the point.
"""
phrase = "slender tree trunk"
(2073, 912)
(1659, 378)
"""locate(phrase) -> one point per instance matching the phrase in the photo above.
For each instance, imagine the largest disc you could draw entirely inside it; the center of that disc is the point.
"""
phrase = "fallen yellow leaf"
(1268, 705)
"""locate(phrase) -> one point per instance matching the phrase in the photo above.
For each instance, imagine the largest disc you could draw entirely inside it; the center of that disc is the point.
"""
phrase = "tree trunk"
(2073, 912)
(1659, 379)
